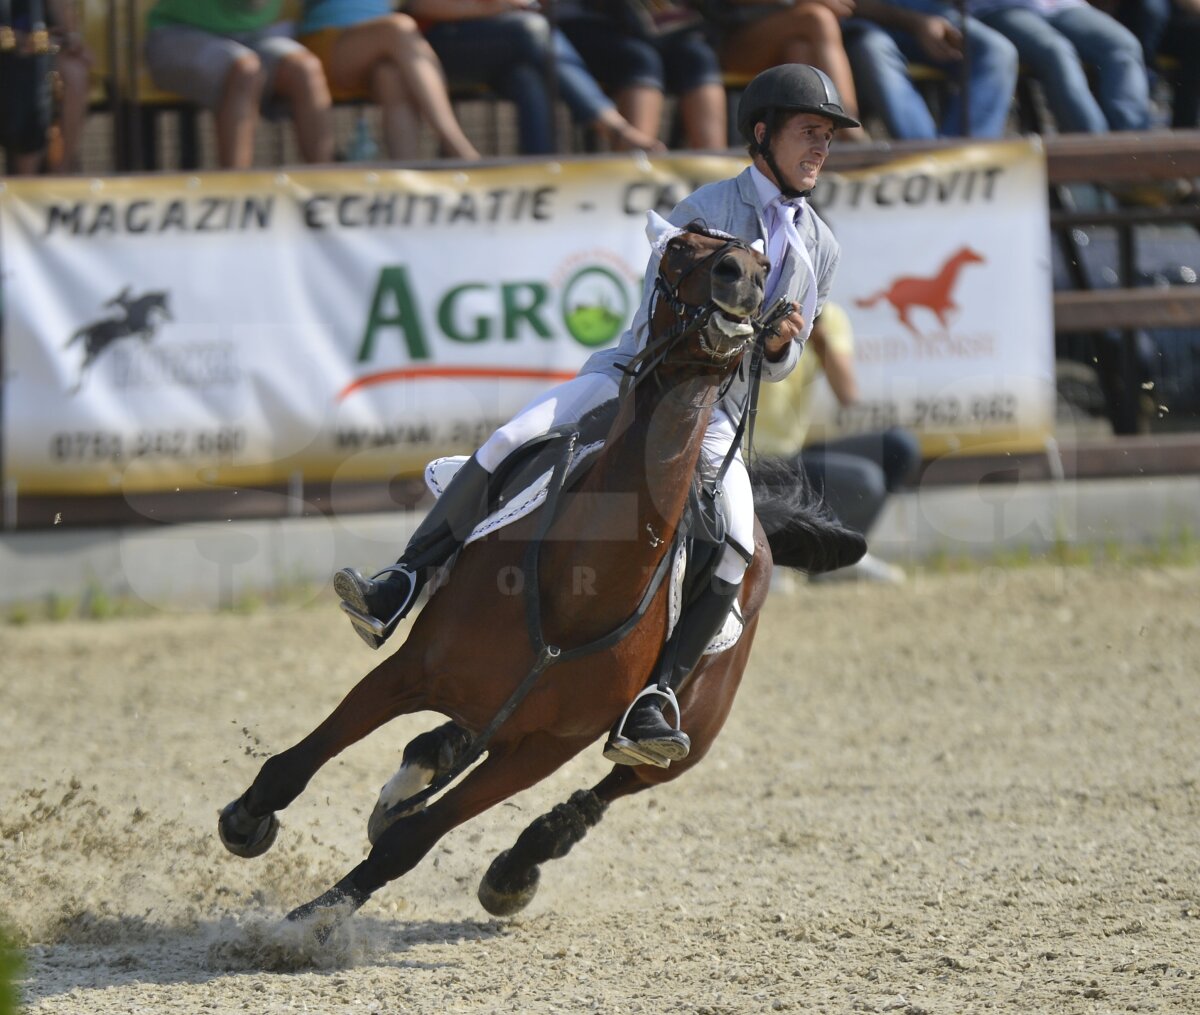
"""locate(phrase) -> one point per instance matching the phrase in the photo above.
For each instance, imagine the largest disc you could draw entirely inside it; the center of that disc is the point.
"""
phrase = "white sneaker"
(869, 568)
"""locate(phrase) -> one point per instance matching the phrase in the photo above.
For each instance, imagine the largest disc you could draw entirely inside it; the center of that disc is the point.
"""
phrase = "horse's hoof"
(328, 911)
(243, 834)
(504, 896)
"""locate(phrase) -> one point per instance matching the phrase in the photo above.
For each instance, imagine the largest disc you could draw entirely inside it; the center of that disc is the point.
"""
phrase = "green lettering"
(518, 309)
(483, 327)
(393, 306)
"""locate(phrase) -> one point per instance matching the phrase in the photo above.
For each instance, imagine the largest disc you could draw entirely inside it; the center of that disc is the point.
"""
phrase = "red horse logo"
(932, 293)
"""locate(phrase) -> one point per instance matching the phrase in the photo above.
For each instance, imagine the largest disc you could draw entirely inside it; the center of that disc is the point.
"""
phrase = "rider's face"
(800, 147)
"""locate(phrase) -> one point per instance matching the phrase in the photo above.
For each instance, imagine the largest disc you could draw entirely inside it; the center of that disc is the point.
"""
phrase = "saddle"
(524, 485)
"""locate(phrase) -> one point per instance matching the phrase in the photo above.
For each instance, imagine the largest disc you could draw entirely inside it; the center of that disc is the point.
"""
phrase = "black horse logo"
(139, 316)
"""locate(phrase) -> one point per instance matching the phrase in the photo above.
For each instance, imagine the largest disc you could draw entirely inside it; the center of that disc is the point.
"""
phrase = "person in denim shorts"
(236, 58)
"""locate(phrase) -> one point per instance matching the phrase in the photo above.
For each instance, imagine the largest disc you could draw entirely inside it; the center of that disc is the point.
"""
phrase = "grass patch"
(99, 605)
(11, 963)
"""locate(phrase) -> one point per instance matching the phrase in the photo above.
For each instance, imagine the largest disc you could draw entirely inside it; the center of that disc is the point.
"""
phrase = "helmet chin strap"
(785, 188)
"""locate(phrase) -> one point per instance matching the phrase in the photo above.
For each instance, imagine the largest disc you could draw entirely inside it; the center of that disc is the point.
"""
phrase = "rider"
(788, 115)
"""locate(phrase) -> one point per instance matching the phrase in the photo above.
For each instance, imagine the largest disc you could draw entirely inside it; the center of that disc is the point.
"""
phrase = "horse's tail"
(870, 301)
(801, 530)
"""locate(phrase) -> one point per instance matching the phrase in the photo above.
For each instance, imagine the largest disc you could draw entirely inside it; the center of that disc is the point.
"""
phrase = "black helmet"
(792, 86)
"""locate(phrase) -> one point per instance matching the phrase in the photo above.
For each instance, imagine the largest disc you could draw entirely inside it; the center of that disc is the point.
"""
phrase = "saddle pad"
(519, 504)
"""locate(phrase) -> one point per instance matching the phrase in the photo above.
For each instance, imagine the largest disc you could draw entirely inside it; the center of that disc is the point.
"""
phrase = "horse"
(142, 316)
(529, 682)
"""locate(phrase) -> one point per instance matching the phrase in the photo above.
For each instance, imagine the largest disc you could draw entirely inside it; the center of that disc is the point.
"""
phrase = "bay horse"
(585, 637)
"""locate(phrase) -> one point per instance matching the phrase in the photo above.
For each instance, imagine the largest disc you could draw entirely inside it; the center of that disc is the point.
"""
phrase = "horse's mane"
(802, 531)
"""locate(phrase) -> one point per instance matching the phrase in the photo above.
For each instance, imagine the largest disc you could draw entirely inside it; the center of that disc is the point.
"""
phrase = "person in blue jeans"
(1058, 42)
(639, 62)
(886, 35)
(509, 47)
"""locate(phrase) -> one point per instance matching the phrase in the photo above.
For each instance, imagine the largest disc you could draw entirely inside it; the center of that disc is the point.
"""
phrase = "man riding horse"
(788, 116)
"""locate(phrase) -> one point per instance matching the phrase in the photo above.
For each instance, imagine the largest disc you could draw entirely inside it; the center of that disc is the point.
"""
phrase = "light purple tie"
(784, 235)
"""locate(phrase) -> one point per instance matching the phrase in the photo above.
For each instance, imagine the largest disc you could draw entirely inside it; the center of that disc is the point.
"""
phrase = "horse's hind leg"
(512, 880)
(427, 757)
(506, 770)
(247, 826)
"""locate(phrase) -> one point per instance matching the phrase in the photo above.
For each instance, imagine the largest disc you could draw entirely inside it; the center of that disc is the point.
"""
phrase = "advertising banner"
(946, 276)
(176, 332)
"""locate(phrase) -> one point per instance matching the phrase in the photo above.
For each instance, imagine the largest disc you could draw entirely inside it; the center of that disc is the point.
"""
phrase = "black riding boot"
(376, 605)
(644, 736)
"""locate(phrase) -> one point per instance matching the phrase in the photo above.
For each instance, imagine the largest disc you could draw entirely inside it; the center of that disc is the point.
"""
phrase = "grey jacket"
(732, 207)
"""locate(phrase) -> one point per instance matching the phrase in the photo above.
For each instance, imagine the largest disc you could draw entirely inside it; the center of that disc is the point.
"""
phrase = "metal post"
(10, 505)
(964, 83)
(296, 494)
(550, 12)
(133, 62)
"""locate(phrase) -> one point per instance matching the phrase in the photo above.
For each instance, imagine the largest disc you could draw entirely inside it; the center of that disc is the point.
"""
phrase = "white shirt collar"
(768, 192)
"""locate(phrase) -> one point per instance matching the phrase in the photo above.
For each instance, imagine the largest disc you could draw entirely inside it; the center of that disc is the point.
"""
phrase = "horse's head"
(158, 301)
(709, 292)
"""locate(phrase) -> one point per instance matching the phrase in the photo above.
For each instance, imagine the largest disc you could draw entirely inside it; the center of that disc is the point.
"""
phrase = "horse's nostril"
(728, 269)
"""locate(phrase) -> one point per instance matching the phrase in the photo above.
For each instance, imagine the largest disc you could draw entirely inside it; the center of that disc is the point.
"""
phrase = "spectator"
(639, 51)
(1056, 40)
(234, 58)
(854, 474)
(756, 36)
(889, 34)
(509, 47)
(369, 51)
(27, 85)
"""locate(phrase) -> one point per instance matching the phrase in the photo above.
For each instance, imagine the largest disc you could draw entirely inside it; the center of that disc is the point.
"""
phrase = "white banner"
(234, 329)
(946, 275)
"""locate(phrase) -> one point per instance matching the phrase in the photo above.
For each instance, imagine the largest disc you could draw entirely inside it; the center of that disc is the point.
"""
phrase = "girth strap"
(546, 655)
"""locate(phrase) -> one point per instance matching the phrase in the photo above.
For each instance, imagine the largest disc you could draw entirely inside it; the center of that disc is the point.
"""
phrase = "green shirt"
(221, 17)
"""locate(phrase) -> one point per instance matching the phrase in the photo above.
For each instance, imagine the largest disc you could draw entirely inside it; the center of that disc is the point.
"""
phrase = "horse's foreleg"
(507, 769)
(247, 826)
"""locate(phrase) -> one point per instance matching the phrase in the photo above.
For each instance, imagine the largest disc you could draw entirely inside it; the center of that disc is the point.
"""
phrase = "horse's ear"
(659, 231)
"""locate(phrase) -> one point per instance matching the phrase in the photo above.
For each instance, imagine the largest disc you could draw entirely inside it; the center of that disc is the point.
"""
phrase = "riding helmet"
(792, 86)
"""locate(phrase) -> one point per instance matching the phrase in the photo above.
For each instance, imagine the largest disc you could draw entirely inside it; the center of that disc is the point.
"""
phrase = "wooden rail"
(1100, 309)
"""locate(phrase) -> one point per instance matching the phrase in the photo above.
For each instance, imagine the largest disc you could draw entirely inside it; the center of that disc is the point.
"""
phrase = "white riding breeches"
(573, 399)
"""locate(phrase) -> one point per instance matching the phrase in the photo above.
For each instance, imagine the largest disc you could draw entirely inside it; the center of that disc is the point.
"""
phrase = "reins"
(688, 319)
(546, 655)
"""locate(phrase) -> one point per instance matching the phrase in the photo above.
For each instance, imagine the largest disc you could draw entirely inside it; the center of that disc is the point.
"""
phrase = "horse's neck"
(621, 521)
(952, 268)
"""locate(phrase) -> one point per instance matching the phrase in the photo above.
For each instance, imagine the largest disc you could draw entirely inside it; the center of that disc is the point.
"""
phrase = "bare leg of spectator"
(406, 80)
(401, 124)
(702, 111)
(623, 134)
(300, 79)
(237, 112)
(807, 33)
(642, 106)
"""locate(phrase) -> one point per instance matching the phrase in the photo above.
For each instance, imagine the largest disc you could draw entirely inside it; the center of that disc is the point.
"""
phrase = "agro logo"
(595, 305)
(138, 315)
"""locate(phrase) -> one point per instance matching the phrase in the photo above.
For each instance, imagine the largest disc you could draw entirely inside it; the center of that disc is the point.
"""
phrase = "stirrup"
(623, 751)
(373, 625)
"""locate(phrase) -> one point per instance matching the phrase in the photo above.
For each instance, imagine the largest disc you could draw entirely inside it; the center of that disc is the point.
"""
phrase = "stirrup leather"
(380, 628)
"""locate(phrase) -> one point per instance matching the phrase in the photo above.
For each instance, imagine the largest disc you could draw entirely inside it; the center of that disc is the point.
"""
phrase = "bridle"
(688, 319)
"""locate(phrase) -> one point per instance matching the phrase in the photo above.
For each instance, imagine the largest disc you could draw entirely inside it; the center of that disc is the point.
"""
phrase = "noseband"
(689, 318)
